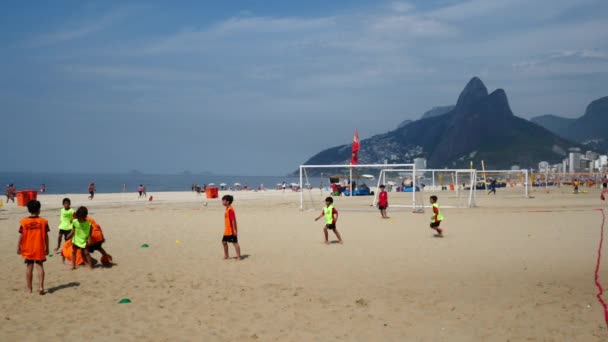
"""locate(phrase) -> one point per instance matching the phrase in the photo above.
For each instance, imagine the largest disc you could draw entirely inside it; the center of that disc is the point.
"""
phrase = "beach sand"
(511, 269)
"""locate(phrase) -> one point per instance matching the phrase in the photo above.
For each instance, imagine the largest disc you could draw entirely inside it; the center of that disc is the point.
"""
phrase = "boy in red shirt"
(33, 243)
(383, 201)
(230, 228)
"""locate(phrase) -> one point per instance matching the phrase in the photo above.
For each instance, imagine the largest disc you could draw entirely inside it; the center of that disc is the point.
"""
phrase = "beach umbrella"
(211, 184)
(391, 183)
(222, 184)
(367, 176)
(295, 184)
(237, 184)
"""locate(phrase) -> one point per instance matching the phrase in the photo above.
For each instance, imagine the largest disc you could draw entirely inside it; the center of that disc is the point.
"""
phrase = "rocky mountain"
(589, 129)
(554, 123)
(437, 111)
(405, 122)
(481, 126)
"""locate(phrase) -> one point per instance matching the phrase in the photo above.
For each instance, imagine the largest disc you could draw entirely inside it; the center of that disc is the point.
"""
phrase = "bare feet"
(341, 242)
(326, 242)
(42, 292)
(56, 250)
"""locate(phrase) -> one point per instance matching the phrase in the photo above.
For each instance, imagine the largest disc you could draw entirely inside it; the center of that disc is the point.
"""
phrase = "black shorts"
(64, 233)
(95, 247)
(31, 262)
(330, 226)
(230, 238)
(92, 193)
(382, 207)
(435, 224)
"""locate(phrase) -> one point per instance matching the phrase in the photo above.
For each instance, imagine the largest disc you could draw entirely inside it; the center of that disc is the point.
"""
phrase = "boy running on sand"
(80, 235)
(331, 218)
(437, 217)
(65, 222)
(33, 244)
(230, 228)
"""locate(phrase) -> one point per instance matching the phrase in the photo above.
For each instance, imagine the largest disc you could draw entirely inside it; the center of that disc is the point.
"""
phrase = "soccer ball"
(106, 260)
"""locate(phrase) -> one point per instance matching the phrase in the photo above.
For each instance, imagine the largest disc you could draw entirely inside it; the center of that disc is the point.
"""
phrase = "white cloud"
(79, 31)
(401, 7)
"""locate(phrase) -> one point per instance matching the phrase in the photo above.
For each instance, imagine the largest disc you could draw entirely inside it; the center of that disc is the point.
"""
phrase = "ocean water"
(66, 183)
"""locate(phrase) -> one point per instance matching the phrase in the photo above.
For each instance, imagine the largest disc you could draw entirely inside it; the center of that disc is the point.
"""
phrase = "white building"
(543, 166)
(574, 160)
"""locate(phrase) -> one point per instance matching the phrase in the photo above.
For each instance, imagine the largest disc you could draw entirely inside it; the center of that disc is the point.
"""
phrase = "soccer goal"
(349, 181)
(507, 183)
(454, 187)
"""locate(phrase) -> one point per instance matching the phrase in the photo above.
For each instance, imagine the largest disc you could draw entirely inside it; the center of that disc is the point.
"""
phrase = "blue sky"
(258, 87)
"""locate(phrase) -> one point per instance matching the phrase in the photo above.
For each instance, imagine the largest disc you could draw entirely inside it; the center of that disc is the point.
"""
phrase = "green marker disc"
(145, 245)
(124, 301)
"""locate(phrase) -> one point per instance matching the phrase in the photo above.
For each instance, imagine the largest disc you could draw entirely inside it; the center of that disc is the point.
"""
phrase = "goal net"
(455, 188)
(357, 184)
(505, 183)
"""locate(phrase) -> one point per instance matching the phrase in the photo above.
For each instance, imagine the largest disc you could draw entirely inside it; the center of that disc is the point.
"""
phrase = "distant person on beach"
(11, 192)
(575, 184)
(43, 188)
(230, 228)
(140, 189)
(91, 191)
(66, 216)
(80, 234)
(437, 217)
(331, 219)
(383, 201)
(145, 193)
(492, 187)
(33, 244)
(604, 189)
(283, 186)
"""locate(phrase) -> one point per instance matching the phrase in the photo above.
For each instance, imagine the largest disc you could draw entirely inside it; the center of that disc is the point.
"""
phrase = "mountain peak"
(598, 107)
(474, 91)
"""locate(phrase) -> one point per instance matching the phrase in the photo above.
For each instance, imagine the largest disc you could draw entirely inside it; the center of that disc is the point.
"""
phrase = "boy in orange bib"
(33, 243)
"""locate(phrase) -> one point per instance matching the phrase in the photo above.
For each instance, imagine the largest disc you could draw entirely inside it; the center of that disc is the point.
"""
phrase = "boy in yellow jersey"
(331, 218)
(230, 228)
(81, 232)
(437, 217)
(65, 222)
(33, 243)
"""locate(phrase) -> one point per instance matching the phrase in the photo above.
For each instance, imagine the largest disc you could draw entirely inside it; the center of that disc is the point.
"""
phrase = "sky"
(259, 87)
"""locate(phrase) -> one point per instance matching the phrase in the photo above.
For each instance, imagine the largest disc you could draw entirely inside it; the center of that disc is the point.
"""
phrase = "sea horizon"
(77, 182)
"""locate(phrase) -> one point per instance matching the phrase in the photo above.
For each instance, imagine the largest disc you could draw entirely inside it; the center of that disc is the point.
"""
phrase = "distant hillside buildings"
(577, 162)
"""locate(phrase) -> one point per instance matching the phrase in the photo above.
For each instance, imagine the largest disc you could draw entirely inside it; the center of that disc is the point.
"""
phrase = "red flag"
(354, 159)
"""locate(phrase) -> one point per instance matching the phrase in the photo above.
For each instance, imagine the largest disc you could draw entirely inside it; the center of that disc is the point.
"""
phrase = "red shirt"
(383, 199)
(229, 217)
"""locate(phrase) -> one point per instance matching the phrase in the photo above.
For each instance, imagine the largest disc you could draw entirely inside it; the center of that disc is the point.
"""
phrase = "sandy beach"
(511, 269)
